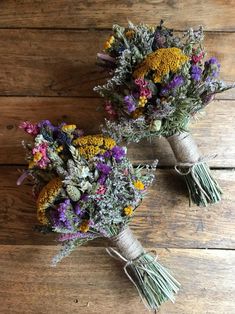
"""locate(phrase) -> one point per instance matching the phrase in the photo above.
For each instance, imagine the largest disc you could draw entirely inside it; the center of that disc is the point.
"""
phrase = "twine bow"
(191, 166)
(118, 256)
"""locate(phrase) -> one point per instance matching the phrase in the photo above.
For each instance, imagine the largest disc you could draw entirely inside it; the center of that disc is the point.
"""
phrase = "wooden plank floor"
(47, 55)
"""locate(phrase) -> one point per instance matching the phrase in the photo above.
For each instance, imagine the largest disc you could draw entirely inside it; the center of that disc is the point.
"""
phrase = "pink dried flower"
(101, 190)
(197, 58)
(40, 155)
(29, 128)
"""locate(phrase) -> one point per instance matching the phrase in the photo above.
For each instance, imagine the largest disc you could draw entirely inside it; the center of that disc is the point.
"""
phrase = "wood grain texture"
(77, 285)
(62, 63)
(163, 220)
(214, 132)
(103, 14)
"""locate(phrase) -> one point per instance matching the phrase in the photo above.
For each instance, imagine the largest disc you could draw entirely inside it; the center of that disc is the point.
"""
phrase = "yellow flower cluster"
(130, 33)
(109, 143)
(161, 62)
(69, 128)
(96, 140)
(142, 101)
(128, 211)
(109, 42)
(92, 145)
(46, 197)
(84, 227)
(139, 185)
(37, 156)
(59, 149)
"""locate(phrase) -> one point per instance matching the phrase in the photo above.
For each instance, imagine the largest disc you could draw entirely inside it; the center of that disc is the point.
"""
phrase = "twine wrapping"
(128, 245)
(184, 148)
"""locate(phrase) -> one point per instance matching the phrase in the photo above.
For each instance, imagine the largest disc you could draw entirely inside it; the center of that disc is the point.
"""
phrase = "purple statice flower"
(130, 103)
(105, 169)
(118, 153)
(107, 154)
(46, 123)
(213, 60)
(59, 217)
(102, 179)
(196, 73)
(78, 210)
(211, 68)
(176, 82)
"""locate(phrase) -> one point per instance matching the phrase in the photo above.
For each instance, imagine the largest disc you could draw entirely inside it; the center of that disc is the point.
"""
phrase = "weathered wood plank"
(102, 14)
(214, 132)
(163, 220)
(29, 285)
(59, 62)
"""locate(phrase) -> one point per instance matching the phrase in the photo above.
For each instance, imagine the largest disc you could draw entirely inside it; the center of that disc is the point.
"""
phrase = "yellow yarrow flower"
(109, 143)
(46, 197)
(91, 145)
(97, 140)
(89, 151)
(130, 33)
(142, 101)
(162, 61)
(69, 128)
(128, 211)
(109, 42)
(59, 149)
(139, 185)
(84, 227)
(37, 156)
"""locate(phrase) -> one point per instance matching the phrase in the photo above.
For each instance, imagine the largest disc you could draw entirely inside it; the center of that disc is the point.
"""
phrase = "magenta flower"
(29, 128)
(101, 190)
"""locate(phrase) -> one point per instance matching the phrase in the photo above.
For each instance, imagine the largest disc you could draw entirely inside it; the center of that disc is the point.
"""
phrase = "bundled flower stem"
(86, 188)
(159, 81)
(202, 187)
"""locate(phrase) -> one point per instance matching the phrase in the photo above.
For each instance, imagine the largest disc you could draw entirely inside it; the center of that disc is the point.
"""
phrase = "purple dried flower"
(118, 152)
(212, 68)
(130, 103)
(107, 154)
(196, 73)
(78, 211)
(102, 179)
(105, 169)
(177, 81)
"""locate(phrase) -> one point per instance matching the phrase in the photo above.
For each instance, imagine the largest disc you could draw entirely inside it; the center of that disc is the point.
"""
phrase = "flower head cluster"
(88, 188)
(157, 77)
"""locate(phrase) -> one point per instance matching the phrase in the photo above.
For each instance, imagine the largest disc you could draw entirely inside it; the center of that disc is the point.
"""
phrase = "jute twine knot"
(186, 153)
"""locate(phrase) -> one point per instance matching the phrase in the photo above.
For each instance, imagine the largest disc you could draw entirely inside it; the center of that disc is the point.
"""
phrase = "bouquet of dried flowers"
(86, 188)
(158, 83)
